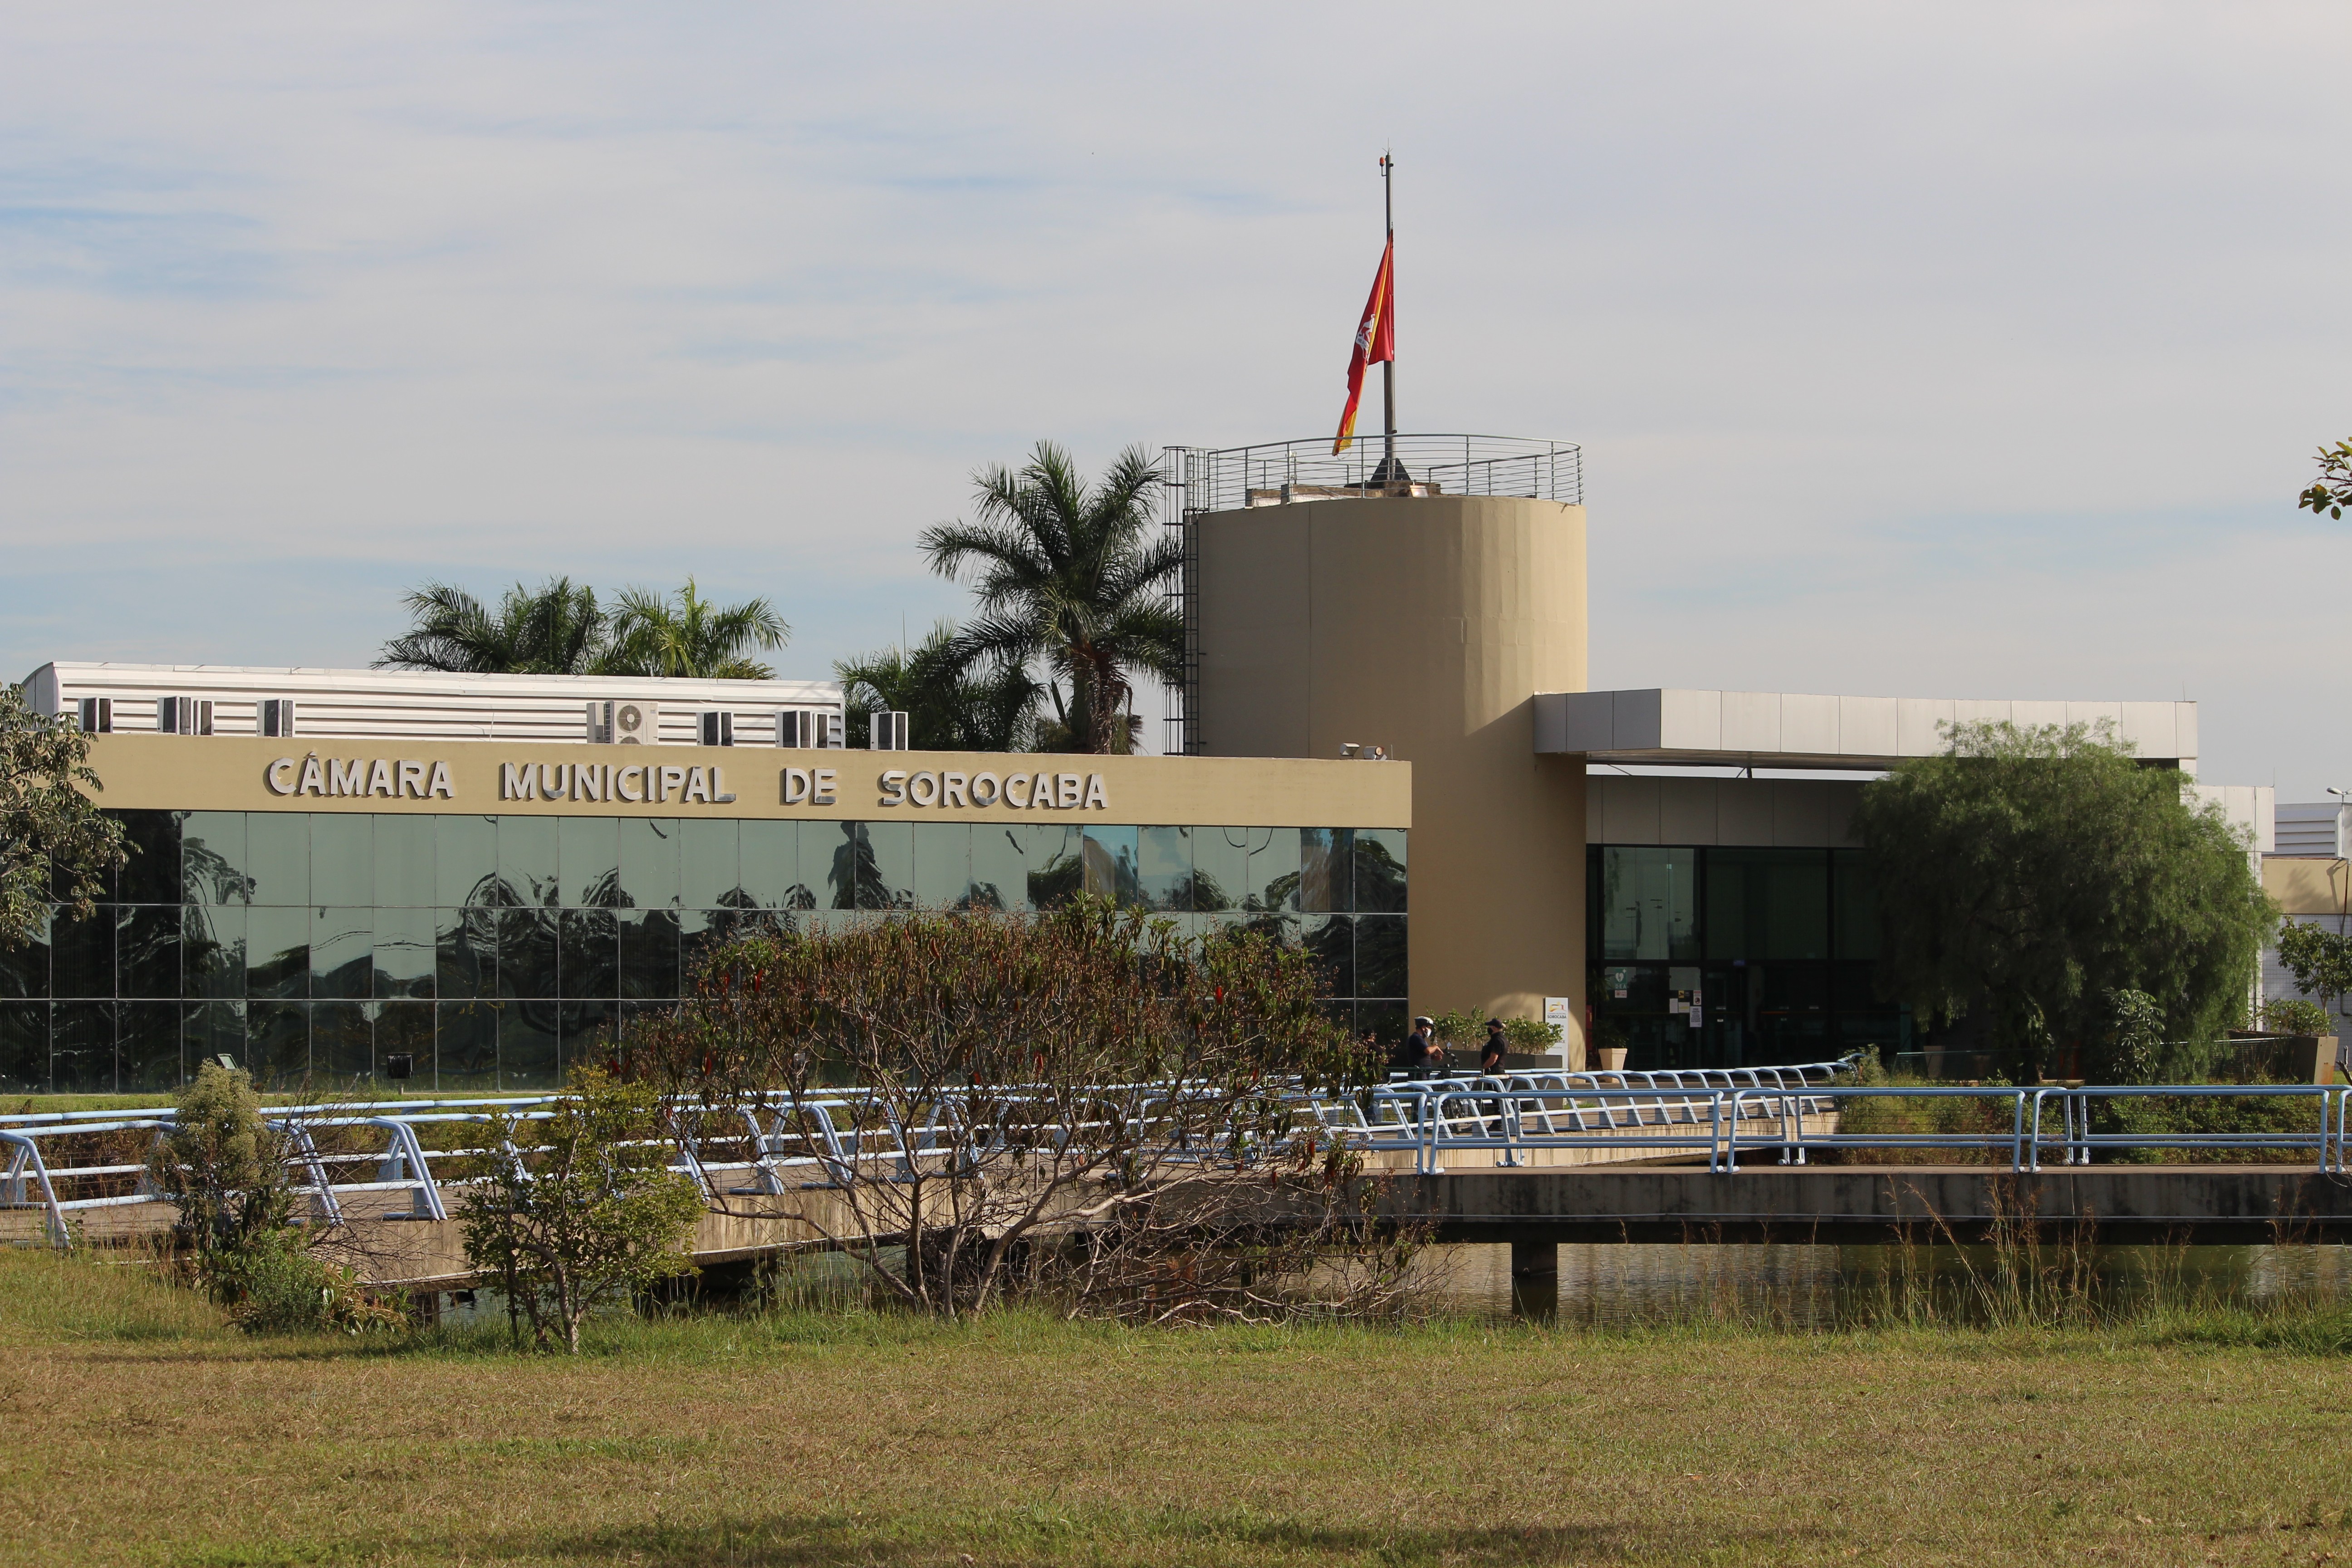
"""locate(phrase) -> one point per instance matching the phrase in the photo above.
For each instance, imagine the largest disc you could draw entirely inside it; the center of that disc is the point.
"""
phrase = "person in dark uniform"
(1412, 1057)
(1490, 1056)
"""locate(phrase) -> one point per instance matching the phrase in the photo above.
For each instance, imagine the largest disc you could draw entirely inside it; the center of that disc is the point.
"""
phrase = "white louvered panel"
(407, 705)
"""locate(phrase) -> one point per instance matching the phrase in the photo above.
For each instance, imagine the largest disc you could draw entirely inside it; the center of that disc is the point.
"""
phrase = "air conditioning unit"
(277, 716)
(718, 729)
(97, 716)
(807, 729)
(889, 733)
(184, 715)
(624, 723)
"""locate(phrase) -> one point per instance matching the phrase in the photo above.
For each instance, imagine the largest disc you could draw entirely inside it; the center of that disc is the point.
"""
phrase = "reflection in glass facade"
(496, 950)
(1734, 957)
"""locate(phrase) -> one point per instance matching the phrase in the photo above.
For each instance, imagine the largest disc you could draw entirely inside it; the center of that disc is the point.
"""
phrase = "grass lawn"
(139, 1429)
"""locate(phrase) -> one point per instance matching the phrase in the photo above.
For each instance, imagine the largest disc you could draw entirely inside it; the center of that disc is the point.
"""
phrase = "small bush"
(275, 1286)
(2296, 1015)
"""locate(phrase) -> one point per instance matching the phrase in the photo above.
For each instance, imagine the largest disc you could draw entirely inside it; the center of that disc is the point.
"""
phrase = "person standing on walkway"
(1491, 1055)
(1415, 1055)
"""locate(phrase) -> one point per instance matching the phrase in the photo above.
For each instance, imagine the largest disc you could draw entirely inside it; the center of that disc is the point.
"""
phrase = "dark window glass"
(1056, 861)
(528, 941)
(24, 970)
(941, 858)
(1273, 869)
(1380, 870)
(650, 863)
(1005, 857)
(343, 1043)
(407, 861)
(465, 1045)
(277, 952)
(1768, 904)
(342, 954)
(278, 857)
(81, 1048)
(591, 954)
(1331, 938)
(343, 859)
(1326, 869)
(591, 852)
(1164, 867)
(873, 866)
(147, 950)
(212, 951)
(466, 863)
(211, 1030)
(707, 855)
(1856, 904)
(81, 954)
(23, 1048)
(527, 1050)
(1384, 1019)
(404, 1028)
(769, 866)
(1220, 868)
(587, 1037)
(528, 853)
(147, 1046)
(406, 944)
(1380, 955)
(213, 858)
(278, 1040)
(1110, 853)
(1647, 903)
(466, 951)
(152, 873)
(649, 953)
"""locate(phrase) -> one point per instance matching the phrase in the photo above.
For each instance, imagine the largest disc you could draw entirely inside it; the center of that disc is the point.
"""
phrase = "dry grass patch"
(142, 1431)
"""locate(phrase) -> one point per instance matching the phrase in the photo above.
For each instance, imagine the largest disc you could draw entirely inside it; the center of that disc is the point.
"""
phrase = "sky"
(1965, 352)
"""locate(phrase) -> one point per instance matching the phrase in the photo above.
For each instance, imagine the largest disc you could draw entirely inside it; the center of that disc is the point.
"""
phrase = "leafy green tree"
(54, 840)
(951, 705)
(579, 1208)
(2332, 493)
(687, 635)
(2026, 873)
(2319, 958)
(556, 629)
(1071, 577)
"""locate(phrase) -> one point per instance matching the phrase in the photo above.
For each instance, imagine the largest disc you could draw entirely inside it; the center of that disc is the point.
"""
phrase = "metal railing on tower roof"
(1275, 473)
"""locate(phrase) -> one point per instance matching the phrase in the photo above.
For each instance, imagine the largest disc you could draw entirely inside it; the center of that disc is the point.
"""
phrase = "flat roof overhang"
(1684, 727)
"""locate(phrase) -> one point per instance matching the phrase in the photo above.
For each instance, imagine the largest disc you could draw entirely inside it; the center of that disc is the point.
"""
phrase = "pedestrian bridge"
(1780, 1153)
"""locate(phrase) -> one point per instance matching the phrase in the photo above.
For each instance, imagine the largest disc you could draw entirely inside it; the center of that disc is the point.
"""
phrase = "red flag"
(1375, 341)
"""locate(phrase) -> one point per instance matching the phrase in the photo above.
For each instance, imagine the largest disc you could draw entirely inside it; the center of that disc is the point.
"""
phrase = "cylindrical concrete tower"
(1426, 624)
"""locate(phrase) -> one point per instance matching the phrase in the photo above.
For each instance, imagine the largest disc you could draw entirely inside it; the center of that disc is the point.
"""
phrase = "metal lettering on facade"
(400, 777)
(1021, 791)
(636, 783)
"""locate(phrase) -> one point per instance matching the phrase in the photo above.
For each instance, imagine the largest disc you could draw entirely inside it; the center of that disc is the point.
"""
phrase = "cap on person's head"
(1425, 1023)
(1494, 1022)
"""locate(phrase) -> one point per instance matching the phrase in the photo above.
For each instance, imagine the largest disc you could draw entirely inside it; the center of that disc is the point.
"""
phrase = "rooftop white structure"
(1679, 726)
(237, 699)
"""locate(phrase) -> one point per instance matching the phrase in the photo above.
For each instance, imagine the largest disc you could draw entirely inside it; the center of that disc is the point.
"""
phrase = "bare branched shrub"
(1084, 1103)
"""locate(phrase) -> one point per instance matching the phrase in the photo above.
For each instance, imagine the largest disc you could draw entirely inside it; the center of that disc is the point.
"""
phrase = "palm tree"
(948, 707)
(691, 635)
(556, 629)
(1068, 574)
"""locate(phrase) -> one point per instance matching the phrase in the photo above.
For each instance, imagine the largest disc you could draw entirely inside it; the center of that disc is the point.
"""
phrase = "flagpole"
(1388, 366)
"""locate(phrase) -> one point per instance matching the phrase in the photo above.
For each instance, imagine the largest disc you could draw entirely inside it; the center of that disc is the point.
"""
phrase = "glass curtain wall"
(497, 951)
(1735, 957)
